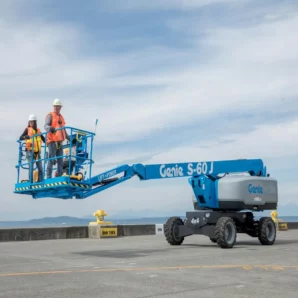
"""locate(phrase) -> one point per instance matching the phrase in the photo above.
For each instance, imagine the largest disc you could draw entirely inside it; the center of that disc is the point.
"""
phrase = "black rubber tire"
(213, 239)
(224, 225)
(170, 230)
(266, 231)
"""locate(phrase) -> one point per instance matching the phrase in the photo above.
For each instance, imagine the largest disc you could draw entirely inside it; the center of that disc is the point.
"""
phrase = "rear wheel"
(172, 230)
(266, 231)
(225, 232)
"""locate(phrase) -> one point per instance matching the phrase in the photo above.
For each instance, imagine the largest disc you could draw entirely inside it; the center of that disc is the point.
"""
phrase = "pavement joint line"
(245, 267)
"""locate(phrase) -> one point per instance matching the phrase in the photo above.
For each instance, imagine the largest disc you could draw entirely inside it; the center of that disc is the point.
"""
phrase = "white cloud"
(288, 192)
(43, 59)
(234, 74)
(27, 50)
(268, 43)
(269, 142)
(251, 71)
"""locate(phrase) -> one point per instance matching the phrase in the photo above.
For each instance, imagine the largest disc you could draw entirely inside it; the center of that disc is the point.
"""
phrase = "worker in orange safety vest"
(55, 138)
(33, 146)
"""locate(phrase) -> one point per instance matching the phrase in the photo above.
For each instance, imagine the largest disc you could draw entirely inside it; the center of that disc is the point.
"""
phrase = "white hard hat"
(57, 102)
(32, 118)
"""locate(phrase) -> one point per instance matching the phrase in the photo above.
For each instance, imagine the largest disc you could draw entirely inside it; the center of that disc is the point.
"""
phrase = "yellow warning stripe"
(36, 186)
(53, 184)
(79, 185)
(22, 188)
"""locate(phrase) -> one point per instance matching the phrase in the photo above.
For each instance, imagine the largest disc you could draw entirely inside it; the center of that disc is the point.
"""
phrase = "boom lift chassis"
(211, 217)
(220, 227)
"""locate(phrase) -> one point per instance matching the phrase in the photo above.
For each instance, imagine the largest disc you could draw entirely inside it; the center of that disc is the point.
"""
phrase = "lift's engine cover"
(246, 192)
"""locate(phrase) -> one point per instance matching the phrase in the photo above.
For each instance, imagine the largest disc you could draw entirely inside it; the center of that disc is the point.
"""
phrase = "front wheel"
(266, 231)
(172, 231)
(225, 232)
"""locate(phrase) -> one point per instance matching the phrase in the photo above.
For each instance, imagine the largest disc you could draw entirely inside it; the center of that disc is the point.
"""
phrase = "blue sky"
(169, 81)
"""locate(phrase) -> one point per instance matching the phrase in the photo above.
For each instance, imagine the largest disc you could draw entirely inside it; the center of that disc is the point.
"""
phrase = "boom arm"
(203, 175)
(211, 169)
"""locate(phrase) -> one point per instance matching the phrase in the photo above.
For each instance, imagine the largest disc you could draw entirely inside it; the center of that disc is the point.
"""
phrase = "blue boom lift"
(226, 192)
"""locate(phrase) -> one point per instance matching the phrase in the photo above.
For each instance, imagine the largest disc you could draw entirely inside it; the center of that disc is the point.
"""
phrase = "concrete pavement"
(146, 266)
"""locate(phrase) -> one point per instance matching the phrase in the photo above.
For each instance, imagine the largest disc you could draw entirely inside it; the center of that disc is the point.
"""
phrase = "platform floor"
(146, 266)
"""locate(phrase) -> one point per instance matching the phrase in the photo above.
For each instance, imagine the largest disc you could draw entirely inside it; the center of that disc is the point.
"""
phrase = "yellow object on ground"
(100, 214)
(280, 224)
(102, 228)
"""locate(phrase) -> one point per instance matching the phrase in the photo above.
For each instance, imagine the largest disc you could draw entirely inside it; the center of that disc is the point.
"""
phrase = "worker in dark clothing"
(33, 152)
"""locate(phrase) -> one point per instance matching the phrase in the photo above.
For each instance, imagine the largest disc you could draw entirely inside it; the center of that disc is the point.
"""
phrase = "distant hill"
(46, 222)
(143, 213)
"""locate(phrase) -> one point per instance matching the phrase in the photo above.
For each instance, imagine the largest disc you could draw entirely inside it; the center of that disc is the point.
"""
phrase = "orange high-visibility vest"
(36, 140)
(60, 134)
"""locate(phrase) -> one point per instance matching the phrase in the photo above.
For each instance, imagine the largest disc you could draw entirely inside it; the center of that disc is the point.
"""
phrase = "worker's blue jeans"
(29, 156)
(55, 150)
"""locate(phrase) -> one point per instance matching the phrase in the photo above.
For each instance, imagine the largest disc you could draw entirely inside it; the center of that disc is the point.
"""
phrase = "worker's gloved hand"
(52, 129)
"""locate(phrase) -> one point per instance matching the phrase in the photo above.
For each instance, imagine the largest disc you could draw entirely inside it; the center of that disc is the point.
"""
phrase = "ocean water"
(289, 218)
